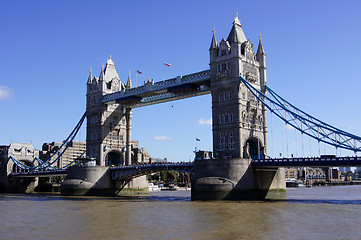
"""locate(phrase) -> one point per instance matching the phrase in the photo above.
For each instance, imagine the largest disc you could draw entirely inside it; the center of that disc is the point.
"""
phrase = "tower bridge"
(239, 168)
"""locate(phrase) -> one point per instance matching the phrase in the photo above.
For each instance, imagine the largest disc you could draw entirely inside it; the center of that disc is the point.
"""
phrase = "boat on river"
(153, 187)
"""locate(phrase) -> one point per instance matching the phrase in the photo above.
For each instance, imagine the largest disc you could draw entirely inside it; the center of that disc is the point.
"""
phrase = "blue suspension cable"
(311, 126)
(49, 162)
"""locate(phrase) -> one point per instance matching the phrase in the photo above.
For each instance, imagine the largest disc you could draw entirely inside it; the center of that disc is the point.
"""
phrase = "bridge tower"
(239, 124)
(239, 120)
(108, 125)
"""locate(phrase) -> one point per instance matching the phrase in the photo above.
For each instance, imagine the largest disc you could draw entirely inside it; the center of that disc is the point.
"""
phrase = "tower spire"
(129, 82)
(260, 49)
(90, 78)
(236, 35)
(214, 44)
(101, 77)
(236, 20)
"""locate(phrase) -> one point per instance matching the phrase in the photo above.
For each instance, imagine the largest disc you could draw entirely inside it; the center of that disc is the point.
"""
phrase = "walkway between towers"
(191, 85)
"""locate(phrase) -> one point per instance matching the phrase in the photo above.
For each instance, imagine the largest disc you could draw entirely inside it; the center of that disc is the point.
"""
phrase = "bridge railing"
(151, 86)
(309, 162)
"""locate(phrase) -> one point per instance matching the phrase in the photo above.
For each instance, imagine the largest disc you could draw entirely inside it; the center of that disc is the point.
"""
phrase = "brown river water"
(307, 213)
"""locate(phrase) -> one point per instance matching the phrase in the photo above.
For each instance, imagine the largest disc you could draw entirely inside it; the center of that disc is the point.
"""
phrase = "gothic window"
(220, 97)
(231, 118)
(221, 119)
(223, 67)
(109, 85)
(225, 96)
(226, 118)
(230, 96)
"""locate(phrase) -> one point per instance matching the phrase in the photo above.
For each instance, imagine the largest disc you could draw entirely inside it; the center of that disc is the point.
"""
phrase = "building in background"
(313, 175)
(75, 150)
(345, 169)
(23, 152)
(139, 155)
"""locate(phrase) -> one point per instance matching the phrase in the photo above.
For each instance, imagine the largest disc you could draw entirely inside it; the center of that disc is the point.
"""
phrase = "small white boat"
(153, 187)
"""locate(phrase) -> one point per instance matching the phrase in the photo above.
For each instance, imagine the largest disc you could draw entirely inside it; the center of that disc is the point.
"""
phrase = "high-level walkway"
(151, 92)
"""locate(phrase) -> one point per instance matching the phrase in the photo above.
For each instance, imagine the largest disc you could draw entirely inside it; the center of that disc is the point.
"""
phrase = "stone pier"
(96, 181)
(236, 179)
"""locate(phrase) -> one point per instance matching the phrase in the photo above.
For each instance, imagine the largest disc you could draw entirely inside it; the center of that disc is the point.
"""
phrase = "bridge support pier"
(97, 181)
(20, 185)
(236, 179)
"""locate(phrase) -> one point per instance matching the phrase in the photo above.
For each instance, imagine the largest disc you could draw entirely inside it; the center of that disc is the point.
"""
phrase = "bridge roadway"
(132, 171)
(323, 161)
(151, 92)
(39, 173)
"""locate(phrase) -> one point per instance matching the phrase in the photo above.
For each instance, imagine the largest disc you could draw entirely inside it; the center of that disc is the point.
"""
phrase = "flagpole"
(163, 73)
(136, 78)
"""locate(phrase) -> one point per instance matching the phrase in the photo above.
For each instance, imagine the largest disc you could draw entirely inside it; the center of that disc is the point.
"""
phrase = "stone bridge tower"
(108, 125)
(239, 125)
(239, 120)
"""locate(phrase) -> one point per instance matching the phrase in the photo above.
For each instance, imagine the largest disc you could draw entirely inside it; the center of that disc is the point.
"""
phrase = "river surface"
(307, 213)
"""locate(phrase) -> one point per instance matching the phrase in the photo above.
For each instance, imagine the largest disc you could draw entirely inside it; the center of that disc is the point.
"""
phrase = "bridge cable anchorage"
(304, 122)
(44, 165)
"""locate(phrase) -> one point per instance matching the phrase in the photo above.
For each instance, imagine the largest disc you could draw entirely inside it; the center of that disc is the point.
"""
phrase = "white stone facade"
(239, 120)
(108, 125)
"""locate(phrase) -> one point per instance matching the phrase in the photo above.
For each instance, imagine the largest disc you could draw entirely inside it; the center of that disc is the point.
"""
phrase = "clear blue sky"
(47, 47)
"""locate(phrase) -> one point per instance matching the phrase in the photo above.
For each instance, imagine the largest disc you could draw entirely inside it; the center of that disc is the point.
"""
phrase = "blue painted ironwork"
(304, 122)
(39, 173)
(308, 162)
(56, 155)
(156, 92)
(66, 166)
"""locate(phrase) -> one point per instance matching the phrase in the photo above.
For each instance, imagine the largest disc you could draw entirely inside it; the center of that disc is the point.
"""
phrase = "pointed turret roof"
(260, 49)
(236, 35)
(90, 78)
(214, 44)
(129, 82)
(109, 71)
(101, 76)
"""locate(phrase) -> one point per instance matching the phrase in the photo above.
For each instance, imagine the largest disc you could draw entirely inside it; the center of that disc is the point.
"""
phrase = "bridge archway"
(253, 148)
(114, 158)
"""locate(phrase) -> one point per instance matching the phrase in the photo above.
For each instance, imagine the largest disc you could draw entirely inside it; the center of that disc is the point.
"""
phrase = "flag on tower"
(167, 64)
(139, 72)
